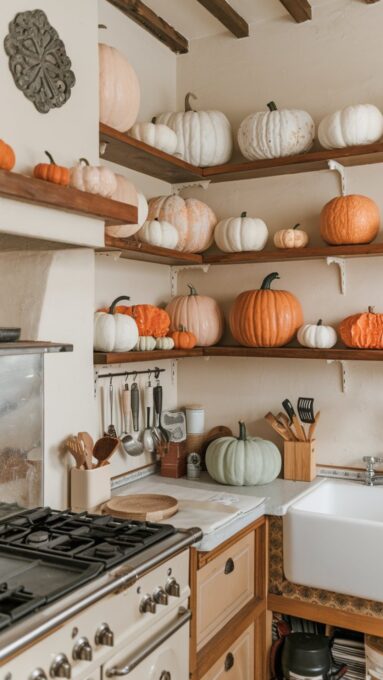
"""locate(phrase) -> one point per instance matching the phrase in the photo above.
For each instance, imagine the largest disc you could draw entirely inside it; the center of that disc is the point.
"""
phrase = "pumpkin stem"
(272, 106)
(267, 281)
(371, 310)
(182, 329)
(319, 323)
(116, 301)
(244, 214)
(242, 431)
(296, 226)
(154, 120)
(102, 26)
(50, 157)
(189, 96)
(84, 160)
(192, 289)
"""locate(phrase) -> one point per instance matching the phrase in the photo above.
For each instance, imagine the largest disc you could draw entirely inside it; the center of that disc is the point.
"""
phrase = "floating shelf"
(135, 155)
(155, 355)
(135, 250)
(293, 254)
(33, 347)
(38, 192)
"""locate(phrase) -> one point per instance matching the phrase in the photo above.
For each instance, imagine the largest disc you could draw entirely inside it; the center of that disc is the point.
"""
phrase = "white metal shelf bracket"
(342, 365)
(114, 254)
(200, 183)
(341, 263)
(175, 269)
(338, 167)
(103, 146)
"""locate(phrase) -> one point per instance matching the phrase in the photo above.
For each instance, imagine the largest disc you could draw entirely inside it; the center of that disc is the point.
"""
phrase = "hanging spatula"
(294, 420)
(306, 409)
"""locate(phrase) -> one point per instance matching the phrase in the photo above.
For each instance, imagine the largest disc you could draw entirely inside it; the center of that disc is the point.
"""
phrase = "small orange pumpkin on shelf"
(349, 220)
(7, 156)
(50, 172)
(150, 320)
(183, 339)
(363, 331)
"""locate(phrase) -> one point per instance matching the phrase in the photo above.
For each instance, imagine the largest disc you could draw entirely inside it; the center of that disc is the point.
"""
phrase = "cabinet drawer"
(238, 662)
(224, 586)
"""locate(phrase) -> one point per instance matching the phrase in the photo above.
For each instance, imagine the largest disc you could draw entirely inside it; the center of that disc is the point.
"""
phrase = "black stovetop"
(44, 554)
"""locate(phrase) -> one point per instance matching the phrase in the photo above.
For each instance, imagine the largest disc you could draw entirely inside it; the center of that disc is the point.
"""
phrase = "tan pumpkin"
(265, 317)
(119, 89)
(194, 220)
(126, 192)
(200, 314)
(363, 331)
(291, 238)
(349, 219)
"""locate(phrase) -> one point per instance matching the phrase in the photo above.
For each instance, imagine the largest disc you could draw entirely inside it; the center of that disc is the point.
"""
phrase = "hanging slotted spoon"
(306, 409)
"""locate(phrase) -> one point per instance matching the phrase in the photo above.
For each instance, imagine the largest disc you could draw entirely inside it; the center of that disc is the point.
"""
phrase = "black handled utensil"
(294, 420)
(306, 409)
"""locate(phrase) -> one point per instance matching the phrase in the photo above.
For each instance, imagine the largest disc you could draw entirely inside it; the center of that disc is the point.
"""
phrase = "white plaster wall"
(321, 65)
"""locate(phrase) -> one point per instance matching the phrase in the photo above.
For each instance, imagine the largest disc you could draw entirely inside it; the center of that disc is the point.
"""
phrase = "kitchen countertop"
(276, 498)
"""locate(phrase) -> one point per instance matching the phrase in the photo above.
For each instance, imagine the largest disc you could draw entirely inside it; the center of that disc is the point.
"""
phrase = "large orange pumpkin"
(363, 331)
(7, 156)
(150, 320)
(194, 221)
(265, 317)
(349, 219)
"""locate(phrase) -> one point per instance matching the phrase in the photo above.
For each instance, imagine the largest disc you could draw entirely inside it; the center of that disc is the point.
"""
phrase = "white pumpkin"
(164, 343)
(114, 332)
(96, 179)
(317, 336)
(238, 234)
(245, 461)
(291, 238)
(119, 89)
(155, 134)
(204, 138)
(360, 124)
(159, 233)
(145, 343)
(274, 134)
(127, 193)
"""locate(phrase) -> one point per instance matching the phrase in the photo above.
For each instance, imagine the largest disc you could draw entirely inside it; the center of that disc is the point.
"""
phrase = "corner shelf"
(38, 192)
(135, 250)
(155, 355)
(294, 254)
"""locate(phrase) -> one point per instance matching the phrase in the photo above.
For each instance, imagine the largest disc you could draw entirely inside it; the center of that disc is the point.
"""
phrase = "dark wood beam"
(222, 11)
(370, 2)
(300, 10)
(151, 22)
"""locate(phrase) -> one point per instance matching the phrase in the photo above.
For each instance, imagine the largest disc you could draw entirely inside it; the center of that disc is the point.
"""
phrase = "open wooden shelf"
(33, 347)
(155, 355)
(132, 249)
(38, 192)
(293, 254)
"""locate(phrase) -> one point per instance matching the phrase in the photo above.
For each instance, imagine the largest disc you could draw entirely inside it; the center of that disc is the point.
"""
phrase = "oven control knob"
(82, 651)
(148, 605)
(38, 674)
(172, 587)
(104, 636)
(60, 667)
(160, 596)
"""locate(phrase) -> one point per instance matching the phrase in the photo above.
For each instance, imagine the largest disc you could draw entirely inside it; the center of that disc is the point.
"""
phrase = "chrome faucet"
(372, 477)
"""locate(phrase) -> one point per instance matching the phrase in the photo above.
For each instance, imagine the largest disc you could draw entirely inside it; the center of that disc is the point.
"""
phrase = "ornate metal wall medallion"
(38, 60)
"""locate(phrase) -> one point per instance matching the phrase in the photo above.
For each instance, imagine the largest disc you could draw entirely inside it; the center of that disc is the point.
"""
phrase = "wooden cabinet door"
(238, 662)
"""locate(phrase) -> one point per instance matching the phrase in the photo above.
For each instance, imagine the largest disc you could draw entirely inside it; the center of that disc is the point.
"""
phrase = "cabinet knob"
(104, 636)
(147, 605)
(82, 651)
(172, 587)
(165, 675)
(160, 596)
(229, 661)
(229, 566)
(61, 667)
(38, 674)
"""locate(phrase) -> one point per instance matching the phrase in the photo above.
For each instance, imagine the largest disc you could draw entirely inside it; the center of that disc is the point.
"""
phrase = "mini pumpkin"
(317, 336)
(7, 156)
(239, 234)
(243, 460)
(159, 233)
(363, 331)
(200, 314)
(265, 317)
(150, 320)
(291, 238)
(349, 219)
(95, 179)
(354, 125)
(183, 339)
(155, 134)
(50, 172)
(194, 220)
(145, 343)
(165, 343)
(114, 332)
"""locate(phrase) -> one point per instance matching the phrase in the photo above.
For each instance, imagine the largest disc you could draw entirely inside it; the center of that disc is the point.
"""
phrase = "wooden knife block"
(173, 459)
(299, 462)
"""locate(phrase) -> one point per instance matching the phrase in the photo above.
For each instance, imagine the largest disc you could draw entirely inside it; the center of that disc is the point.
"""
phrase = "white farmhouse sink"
(333, 539)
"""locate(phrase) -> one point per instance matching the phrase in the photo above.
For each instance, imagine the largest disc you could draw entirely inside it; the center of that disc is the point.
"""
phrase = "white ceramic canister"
(195, 419)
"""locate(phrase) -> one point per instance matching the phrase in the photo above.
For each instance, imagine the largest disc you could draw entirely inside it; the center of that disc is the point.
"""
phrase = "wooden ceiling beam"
(300, 10)
(370, 2)
(222, 11)
(151, 22)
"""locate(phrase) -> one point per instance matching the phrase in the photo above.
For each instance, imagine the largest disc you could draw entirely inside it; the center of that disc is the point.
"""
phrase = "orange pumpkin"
(363, 331)
(349, 219)
(50, 172)
(265, 317)
(150, 320)
(183, 339)
(7, 156)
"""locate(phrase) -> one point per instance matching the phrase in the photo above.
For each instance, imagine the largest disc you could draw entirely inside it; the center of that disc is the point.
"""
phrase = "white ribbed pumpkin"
(238, 234)
(274, 133)
(155, 134)
(194, 220)
(243, 461)
(198, 314)
(164, 343)
(126, 192)
(114, 332)
(119, 89)
(204, 137)
(95, 179)
(291, 238)
(159, 233)
(145, 343)
(360, 124)
(317, 336)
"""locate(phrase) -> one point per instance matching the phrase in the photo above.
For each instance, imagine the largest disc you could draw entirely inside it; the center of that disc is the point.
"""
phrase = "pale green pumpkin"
(243, 461)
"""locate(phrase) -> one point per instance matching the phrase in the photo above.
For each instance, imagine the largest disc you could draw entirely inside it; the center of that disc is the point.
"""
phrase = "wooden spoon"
(88, 445)
(104, 449)
(75, 449)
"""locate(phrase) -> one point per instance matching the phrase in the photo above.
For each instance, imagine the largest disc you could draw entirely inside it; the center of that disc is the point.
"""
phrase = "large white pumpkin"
(204, 137)
(119, 89)
(95, 179)
(114, 332)
(159, 233)
(245, 461)
(354, 125)
(126, 192)
(155, 134)
(238, 234)
(194, 220)
(274, 133)
(317, 336)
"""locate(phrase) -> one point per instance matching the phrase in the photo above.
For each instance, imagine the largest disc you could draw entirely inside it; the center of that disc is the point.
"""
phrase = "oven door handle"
(184, 616)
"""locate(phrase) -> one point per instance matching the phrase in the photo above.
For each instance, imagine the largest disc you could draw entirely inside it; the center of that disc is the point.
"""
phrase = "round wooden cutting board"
(151, 507)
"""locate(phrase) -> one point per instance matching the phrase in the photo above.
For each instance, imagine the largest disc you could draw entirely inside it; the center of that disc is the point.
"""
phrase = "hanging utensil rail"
(125, 374)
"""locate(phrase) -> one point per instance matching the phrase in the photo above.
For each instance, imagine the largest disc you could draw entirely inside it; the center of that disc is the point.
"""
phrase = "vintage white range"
(92, 597)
